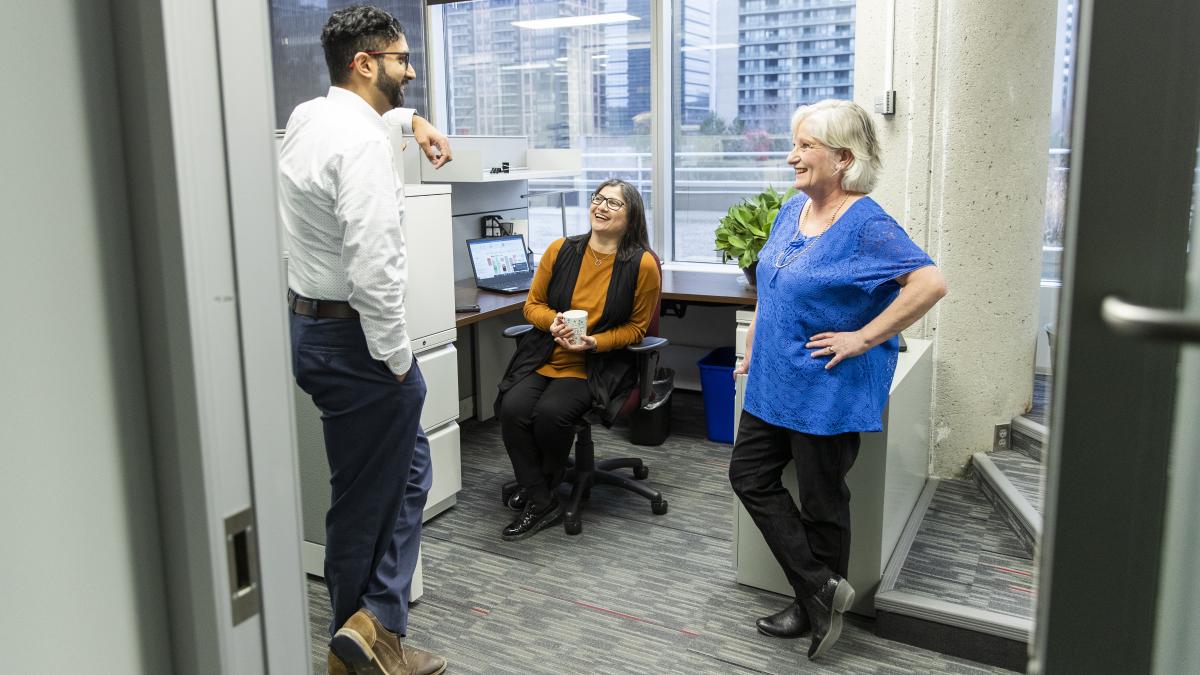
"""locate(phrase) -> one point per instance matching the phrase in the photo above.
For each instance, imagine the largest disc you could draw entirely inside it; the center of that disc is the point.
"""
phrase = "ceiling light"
(696, 48)
(526, 66)
(575, 21)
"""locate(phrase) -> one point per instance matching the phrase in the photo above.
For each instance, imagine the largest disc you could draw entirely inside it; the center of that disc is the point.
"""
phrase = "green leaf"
(743, 230)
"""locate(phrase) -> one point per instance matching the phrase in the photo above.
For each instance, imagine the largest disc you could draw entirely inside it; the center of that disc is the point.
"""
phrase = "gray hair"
(844, 125)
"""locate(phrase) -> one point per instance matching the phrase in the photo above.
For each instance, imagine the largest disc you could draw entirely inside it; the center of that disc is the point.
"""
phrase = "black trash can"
(650, 425)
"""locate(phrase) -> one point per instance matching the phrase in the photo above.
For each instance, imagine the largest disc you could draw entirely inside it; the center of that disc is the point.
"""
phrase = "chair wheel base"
(659, 507)
(572, 527)
(641, 472)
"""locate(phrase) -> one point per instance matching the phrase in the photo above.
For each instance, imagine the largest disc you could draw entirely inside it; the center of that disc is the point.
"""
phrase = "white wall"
(965, 160)
(81, 562)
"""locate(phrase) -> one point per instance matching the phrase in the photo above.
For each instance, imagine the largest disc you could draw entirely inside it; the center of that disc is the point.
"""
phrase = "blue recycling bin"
(717, 388)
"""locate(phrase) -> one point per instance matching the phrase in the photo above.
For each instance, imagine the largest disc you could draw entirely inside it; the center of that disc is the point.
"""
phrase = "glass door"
(1118, 558)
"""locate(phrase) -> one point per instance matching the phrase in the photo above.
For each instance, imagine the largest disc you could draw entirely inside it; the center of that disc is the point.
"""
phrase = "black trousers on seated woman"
(811, 543)
(537, 420)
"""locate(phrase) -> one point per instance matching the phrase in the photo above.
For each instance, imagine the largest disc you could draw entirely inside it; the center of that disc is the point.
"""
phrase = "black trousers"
(537, 421)
(811, 543)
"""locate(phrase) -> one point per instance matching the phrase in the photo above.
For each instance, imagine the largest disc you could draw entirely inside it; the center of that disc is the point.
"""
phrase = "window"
(582, 85)
(1060, 141)
(732, 132)
(299, 61)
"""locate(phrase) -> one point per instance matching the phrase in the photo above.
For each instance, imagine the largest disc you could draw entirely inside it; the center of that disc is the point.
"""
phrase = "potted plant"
(746, 226)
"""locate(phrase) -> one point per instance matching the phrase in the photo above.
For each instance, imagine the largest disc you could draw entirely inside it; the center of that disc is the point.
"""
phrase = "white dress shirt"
(342, 204)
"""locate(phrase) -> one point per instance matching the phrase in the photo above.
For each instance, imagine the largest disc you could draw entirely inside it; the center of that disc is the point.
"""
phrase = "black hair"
(359, 28)
(636, 234)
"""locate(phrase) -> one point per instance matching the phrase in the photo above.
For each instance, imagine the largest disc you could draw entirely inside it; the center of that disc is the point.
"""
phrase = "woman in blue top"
(838, 279)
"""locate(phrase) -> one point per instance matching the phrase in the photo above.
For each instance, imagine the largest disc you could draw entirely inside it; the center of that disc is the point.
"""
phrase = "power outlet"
(1002, 438)
(886, 104)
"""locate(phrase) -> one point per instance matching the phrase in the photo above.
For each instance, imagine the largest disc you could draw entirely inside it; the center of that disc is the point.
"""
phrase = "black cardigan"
(610, 375)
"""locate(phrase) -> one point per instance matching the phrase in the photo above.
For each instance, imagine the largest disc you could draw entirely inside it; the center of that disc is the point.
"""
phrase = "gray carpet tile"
(634, 592)
(1004, 509)
(969, 561)
(999, 538)
(1003, 584)
(1032, 447)
(959, 498)
(1024, 473)
(1043, 386)
(915, 581)
(940, 552)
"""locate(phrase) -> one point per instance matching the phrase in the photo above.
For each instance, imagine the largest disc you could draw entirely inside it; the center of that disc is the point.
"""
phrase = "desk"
(688, 286)
(491, 356)
(713, 287)
(490, 303)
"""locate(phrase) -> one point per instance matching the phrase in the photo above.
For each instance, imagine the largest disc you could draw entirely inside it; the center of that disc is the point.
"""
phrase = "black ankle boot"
(789, 622)
(532, 520)
(518, 499)
(825, 609)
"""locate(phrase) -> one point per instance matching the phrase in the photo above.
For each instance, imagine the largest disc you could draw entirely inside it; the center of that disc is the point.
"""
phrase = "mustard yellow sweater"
(590, 290)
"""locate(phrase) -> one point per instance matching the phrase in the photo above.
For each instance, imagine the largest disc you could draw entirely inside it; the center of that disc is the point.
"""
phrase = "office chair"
(584, 471)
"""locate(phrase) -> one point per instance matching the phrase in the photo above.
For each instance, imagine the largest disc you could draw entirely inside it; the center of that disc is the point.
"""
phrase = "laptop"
(501, 264)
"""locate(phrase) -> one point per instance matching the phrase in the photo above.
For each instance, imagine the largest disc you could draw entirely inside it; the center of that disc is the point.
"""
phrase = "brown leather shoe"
(367, 648)
(423, 662)
(338, 667)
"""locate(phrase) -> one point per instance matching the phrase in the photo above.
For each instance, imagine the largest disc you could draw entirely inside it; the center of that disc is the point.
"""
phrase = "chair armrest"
(648, 344)
(517, 331)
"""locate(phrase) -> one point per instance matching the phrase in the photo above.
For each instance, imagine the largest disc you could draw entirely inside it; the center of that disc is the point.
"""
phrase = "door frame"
(197, 126)
(1134, 131)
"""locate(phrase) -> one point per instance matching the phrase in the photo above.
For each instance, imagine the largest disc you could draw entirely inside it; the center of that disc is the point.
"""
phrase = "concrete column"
(965, 161)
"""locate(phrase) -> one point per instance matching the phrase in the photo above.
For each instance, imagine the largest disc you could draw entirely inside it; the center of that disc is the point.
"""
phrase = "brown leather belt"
(321, 309)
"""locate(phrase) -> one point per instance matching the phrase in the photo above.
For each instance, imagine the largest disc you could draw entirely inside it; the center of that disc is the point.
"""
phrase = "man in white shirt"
(342, 205)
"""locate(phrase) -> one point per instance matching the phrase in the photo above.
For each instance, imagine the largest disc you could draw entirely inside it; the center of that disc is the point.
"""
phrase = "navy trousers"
(379, 468)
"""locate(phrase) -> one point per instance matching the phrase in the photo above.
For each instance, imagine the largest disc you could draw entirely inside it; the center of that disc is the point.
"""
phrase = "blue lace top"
(838, 281)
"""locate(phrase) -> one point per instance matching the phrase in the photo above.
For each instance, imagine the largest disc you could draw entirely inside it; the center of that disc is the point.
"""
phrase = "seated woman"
(551, 381)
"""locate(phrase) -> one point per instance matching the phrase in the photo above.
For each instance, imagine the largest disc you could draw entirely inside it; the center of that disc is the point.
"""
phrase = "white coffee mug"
(576, 320)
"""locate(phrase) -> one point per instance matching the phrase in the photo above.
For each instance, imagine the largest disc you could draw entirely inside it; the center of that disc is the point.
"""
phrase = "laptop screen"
(498, 256)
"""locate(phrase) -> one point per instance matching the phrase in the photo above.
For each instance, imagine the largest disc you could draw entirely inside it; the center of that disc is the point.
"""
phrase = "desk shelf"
(475, 156)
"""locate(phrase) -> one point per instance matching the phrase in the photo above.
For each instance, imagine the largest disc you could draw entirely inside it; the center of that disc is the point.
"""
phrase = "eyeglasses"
(401, 57)
(612, 204)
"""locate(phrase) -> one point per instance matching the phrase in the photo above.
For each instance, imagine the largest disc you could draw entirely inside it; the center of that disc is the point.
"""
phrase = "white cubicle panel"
(429, 303)
(444, 450)
(439, 367)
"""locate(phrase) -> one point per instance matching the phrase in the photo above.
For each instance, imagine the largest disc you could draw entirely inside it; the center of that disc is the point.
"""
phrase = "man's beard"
(391, 88)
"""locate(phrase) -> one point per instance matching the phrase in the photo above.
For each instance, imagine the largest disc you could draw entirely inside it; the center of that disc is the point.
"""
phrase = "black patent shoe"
(518, 499)
(789, 622)
(825, 609)
(533, 520)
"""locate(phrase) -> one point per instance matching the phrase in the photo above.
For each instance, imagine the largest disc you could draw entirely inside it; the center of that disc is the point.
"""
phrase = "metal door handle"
(1149, 322)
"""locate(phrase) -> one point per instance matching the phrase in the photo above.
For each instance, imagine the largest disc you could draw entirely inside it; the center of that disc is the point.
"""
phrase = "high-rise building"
(555, 85)
(1064, 71)
(792, 52)
(508, 80)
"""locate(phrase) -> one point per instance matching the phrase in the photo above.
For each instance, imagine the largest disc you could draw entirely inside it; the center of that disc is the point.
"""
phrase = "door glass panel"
(1177, 650)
